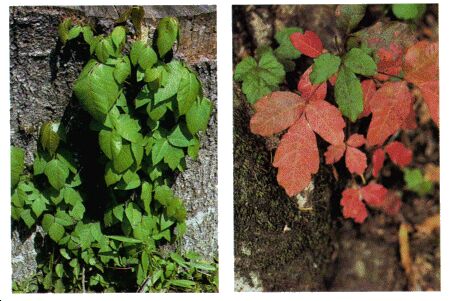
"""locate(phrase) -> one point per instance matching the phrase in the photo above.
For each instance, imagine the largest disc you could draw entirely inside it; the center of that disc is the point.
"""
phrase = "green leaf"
(138, 153)
(64, 219)
(63, 29)
(56, 173)
(348, 16)
(110, 143)
(71, 196)
(171, 78)
(128, 128)
(259, 79)
(147, 58)
(97, 89)
(193, 149)
(124, 159)
(325, 66)
(17, 164)
(173, 157)
(168, 32)
(131, 181)
(118, 36)
(348, 94)
(49, 136)
(104, 50)
(122, 70)
(146, 196)
(40, 161)
(408, 11)
(74, 32)
(64, 253)
(118, 212)
(182, 283)
(39, 206)
(47, 221)
(133, 215)
(88, 35)
(286, 50)
(27, 218)
(159, 150)
(359, 62)
(110, 176)
(59, 270)
(124, 239)
(163, 194)
(416, 182)
(180, 137)
(136, 50)
(77, 211)
(56, 232)
(198, 116)
(187, 93)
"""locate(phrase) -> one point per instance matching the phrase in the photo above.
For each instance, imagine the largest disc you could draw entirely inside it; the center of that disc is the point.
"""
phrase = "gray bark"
(42, 74)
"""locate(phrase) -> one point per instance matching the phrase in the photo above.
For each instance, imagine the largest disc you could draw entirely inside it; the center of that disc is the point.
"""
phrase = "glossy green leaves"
(168, 32)
(56, 173)
(50, 135)
(357, 61)
(187, 92)
(324, 67)
(97, 89)
(259, 78)
(198, 115)
(348, 94)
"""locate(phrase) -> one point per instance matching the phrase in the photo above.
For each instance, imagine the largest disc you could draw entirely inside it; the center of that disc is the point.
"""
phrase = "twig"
(142, 287)
(83, 280)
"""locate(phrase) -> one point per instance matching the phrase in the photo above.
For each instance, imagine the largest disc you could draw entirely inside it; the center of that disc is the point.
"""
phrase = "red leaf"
(276, 112)
(390, 106)
(326, 120)
(392, 203)
(356, 140)
(334, 153)
(308, 90)
(410, 121)
(399, 153)
(355, 160)
(369, 89)
(308, 43)
(390, 61)
(421, 63)
(374, 194)
(430, 94)
(352, 205)
(377, 161)
(297, 157)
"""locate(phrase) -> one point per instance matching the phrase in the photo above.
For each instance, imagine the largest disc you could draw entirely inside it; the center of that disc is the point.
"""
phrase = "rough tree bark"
(42, 74)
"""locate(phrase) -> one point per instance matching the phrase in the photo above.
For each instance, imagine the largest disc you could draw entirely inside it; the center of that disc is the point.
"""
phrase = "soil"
(281, 248)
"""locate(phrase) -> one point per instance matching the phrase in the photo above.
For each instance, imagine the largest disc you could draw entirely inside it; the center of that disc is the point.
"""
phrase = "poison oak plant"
(147, 110)
(370, 77)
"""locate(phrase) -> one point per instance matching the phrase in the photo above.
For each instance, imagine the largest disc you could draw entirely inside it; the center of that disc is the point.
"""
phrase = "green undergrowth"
(147, 110)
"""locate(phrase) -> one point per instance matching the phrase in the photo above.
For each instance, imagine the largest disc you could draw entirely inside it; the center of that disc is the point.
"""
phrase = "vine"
(147, 110)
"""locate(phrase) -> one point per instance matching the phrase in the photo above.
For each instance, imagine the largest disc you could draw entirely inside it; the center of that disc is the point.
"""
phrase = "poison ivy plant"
(148, 111)
(370, 76)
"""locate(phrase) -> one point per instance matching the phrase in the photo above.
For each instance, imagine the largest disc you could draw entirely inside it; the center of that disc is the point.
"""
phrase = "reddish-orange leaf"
(377, 161)
(326, 120)
(352, 205)
(334, 153)
(297, 157)
(421, 62)
(276, 112)
(355, 160)
(308, 43)
(430, 94)
(390, 106)
(374, 194)
(410, 121)
(369, 89)
(309, 91)
(356, 140)
(392, 203)
(390, 61)
(399, 153)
